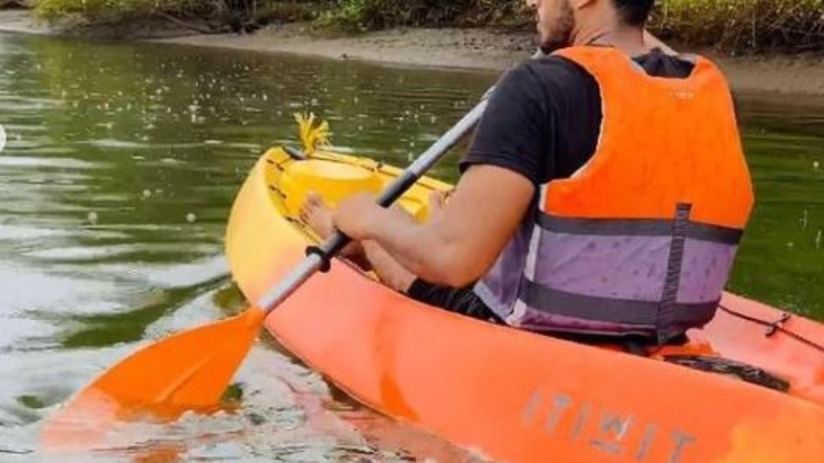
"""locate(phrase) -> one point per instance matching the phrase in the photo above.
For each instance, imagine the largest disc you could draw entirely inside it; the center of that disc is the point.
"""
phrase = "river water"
(119, 169)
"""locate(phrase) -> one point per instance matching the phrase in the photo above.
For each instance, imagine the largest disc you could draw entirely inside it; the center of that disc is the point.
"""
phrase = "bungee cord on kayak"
(775, 327)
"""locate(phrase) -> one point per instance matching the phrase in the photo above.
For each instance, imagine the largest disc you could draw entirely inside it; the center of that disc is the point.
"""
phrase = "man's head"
(559, 20)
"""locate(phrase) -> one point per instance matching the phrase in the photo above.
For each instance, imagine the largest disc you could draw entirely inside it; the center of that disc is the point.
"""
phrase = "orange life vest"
(641, 239)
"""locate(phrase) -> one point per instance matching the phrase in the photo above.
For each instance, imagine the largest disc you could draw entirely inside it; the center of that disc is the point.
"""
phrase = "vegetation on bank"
(206, 16)
(743, 25)
(361, 15)
(730, 25)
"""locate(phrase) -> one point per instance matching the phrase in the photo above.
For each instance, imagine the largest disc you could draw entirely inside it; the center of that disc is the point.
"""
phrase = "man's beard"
(561, 33)
(552, 45)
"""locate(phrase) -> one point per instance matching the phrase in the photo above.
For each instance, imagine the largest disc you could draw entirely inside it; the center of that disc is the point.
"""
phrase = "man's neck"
(630, 40)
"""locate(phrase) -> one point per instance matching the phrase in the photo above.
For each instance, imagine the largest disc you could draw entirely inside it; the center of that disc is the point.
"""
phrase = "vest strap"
(669, 307)
(627, 312)
(638, 227)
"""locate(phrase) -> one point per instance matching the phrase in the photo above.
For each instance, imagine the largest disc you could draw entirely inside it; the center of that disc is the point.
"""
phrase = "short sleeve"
(515, 129)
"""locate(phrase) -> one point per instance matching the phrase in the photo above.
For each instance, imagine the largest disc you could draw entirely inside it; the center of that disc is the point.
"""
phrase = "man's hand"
(357, 216)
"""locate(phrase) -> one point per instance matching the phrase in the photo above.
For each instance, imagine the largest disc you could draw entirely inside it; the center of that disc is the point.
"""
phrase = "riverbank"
(485, 49)
(443, 47)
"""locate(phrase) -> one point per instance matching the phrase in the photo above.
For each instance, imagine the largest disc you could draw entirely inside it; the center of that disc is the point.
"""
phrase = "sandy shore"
(461, 48)
(484, 49)
(458, 48)
(20, 21)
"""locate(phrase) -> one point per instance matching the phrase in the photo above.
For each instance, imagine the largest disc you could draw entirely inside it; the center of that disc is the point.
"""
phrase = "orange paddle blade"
(187, 371)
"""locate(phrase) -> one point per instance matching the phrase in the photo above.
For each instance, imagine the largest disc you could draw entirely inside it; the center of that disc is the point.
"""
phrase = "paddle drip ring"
(326, 264)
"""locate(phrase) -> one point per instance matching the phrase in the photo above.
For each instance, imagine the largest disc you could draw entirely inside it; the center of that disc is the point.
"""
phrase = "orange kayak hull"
(512, 395)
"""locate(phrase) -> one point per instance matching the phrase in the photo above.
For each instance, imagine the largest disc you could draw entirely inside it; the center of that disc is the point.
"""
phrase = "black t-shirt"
(544, 118)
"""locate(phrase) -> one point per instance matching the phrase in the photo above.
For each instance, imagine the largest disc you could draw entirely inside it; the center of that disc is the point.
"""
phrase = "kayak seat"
(334, 181)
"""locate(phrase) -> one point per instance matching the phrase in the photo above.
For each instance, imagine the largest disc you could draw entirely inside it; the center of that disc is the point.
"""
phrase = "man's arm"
(459, 245)
(500, 171)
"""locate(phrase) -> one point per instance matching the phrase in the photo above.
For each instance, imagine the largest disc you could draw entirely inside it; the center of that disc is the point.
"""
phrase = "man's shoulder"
(552, 68)
(556, 74)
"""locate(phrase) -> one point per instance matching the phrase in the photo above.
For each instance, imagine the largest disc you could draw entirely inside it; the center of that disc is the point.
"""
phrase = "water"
(120, 167)
(782, 255)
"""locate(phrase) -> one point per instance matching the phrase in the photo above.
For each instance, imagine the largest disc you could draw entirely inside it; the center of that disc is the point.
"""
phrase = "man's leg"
(463, 301)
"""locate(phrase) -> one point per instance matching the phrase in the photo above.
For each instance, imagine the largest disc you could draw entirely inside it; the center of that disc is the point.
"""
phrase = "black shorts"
(463, 301)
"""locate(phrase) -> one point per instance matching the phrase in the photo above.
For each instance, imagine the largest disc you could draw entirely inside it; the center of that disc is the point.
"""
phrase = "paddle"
(191, 370)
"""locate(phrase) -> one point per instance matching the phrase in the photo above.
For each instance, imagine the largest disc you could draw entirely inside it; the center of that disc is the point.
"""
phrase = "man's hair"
(634, 12)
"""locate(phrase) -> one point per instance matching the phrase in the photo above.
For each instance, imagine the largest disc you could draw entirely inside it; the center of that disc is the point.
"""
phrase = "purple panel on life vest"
(617, 267)
(498, 289)
(705, 271)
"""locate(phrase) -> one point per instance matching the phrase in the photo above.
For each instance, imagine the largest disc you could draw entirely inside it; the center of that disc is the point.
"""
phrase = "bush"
(732, 25)
(294, 10)
(740, 25)
(104, 10)
(100, 11)
(362, 15)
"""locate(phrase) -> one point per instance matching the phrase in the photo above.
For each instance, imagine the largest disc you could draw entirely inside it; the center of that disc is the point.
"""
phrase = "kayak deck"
(515, 395)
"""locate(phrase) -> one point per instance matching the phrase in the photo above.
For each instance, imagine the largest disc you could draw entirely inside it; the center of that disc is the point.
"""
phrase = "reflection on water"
(121, 165)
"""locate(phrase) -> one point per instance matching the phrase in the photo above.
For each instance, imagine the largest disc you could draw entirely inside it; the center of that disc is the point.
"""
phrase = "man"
(604, 194)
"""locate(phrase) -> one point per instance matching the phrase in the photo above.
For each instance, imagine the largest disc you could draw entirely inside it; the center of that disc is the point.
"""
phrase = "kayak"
(749, 387)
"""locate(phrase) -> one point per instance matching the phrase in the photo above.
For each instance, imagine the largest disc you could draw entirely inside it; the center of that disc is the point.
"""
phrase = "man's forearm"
(415, 247)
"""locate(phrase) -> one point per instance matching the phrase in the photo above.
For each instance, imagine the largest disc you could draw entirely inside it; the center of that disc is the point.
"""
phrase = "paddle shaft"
(319, 258)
